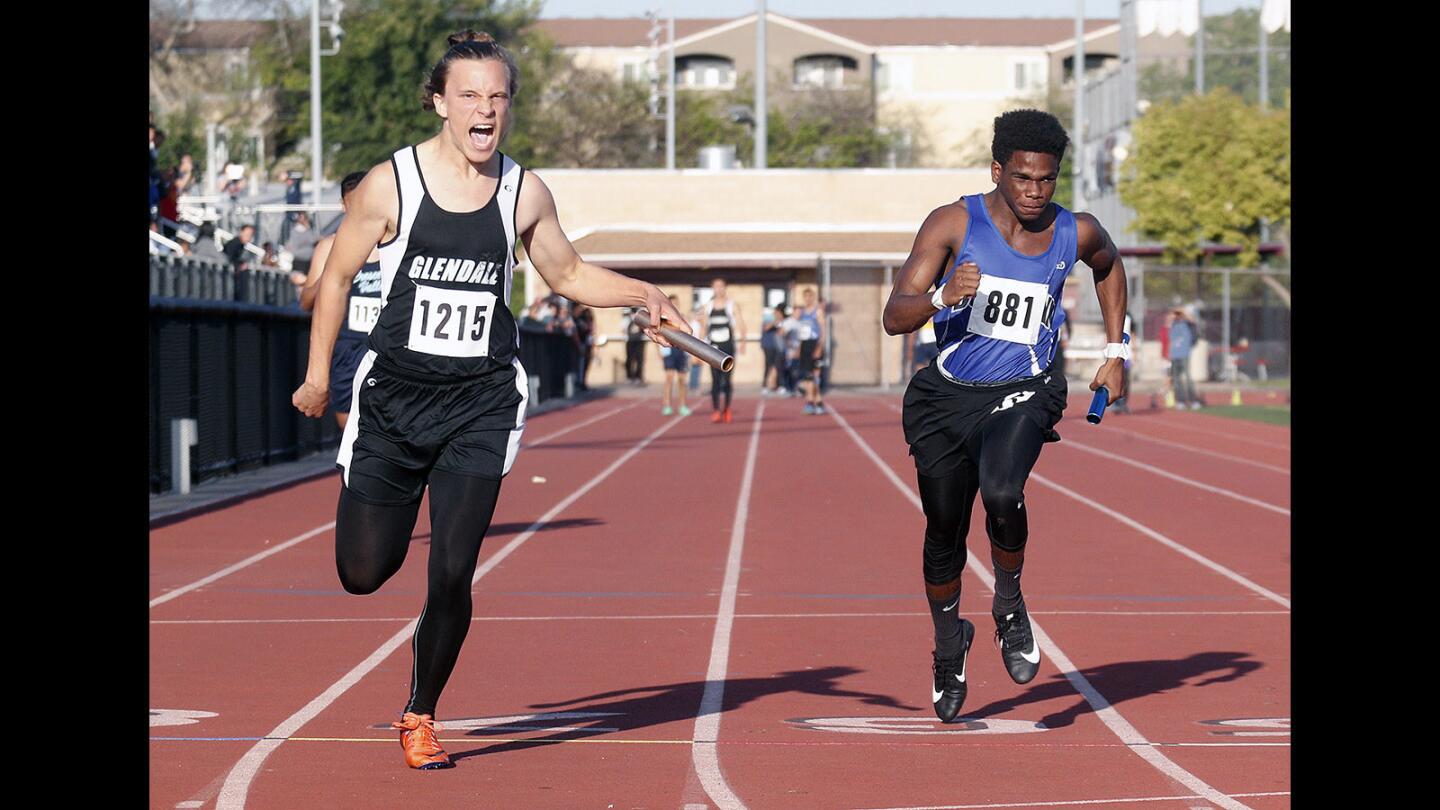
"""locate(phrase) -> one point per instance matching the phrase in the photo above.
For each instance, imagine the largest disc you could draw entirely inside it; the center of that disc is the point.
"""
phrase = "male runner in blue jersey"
(976, 418)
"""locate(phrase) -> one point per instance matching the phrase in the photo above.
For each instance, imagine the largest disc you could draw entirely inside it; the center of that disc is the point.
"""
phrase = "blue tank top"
(1009, 330)
(810, 323)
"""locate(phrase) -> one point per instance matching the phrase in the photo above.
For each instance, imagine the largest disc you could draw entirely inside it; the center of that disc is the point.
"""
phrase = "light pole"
(336, 33)
(760, 76)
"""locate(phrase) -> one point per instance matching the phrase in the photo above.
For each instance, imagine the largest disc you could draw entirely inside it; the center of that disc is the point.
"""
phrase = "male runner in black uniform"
(725, 328)
(976, 418)
(440, 395)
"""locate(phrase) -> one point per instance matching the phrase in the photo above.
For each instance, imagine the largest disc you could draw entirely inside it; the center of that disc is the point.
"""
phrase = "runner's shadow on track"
(645, 706)
(502, 529)
(1126, 681)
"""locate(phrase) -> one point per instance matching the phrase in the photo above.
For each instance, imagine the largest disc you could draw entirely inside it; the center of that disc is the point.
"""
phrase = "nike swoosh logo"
(1034, 655)
(935, 696)
(952, 604)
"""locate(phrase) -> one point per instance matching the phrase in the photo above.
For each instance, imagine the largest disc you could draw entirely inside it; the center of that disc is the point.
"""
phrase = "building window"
(705, 72)
(895, 74)
(824, 70)
(634, 72)
(1027, 75)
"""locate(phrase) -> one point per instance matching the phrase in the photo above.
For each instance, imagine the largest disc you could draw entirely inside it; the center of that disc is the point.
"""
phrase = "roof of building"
(899, 31)
(218, 34)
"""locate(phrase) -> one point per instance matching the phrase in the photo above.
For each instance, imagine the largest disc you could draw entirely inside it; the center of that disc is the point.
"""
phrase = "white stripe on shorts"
(352, 424)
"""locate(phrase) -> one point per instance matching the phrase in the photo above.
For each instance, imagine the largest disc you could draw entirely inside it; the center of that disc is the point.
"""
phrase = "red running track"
(677, 614)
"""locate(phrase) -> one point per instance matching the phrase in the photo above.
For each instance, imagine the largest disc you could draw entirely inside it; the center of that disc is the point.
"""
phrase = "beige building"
(938, 80)
(768, 234)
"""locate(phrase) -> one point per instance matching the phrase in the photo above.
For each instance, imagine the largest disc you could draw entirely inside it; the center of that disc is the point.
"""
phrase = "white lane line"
(237, 783)
(592, 420)
(1163, 540)
(707, 722)
(910, 614)
(1078, 802)
(1074, 445)
(1103, 710)
(245, 563)
(1236, 437)
(1143, 529)
(1190, 448)
(167, 596)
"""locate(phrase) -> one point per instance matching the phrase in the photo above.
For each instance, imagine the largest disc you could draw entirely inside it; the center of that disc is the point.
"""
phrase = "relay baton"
(1102, 396)
(702, 351)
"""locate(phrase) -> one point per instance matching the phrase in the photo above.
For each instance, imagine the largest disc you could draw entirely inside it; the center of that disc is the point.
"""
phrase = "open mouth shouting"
(482, 136)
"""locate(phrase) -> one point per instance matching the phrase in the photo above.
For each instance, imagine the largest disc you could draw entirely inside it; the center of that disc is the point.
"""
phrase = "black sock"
(1007, 590)
(946, 616)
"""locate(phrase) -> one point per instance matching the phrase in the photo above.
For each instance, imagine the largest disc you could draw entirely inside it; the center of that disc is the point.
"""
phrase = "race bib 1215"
(452, 323)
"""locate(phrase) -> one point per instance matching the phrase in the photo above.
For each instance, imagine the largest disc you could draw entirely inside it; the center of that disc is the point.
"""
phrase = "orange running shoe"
(417, 737)
(727, 416)
(716, 416)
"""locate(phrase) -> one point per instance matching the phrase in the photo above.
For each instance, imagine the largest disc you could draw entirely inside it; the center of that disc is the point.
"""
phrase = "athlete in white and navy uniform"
(439, 399)
(362, 308)
(988, 270)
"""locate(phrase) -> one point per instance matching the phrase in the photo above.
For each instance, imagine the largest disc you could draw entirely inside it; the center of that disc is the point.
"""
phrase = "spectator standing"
(675, 361)
(301, 243)
(585, 336)
(1183, 337)
(772, 345)
(634, 349)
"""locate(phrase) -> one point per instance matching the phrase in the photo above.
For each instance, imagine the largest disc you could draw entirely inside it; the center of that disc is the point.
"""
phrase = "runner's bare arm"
(909, 306)
(550, 251)
(369, 220)
(1098, 251)
(317, 267)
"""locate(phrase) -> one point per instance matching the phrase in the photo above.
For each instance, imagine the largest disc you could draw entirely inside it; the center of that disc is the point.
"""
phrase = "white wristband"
(937, 300)
(1114, 350)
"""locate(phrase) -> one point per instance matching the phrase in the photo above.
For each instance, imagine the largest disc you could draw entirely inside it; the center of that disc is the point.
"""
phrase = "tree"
(587, 118)
(1232, 59)
(1208, 168)
(371, 89)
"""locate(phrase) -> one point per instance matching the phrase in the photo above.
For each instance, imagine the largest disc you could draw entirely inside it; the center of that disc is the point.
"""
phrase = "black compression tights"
(370, 545)
(1006, 449)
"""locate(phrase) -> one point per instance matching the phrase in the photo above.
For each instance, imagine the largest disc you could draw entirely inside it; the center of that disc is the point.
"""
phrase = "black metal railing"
(209, 280)
(232, 367)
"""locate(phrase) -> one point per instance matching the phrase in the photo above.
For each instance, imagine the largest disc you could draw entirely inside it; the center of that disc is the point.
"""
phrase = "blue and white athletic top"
(1009, 330)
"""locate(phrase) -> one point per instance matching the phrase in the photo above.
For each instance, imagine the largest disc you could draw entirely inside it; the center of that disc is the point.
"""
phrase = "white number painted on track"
(177, 717)
(1013, 400)
(1247, 727)
(916, 725)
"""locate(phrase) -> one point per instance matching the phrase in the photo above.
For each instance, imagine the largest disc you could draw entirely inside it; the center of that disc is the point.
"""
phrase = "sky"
(860, 8)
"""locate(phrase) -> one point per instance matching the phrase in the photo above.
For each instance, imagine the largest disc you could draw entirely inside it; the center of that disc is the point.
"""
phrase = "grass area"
(1270, 414)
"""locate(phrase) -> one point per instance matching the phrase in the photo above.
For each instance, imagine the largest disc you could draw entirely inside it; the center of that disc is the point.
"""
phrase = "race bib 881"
(452, 323)
(1007, 309)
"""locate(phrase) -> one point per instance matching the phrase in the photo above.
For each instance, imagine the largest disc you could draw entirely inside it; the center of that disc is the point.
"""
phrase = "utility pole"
(670, 100)
(317, 166)
(1077, 160)
(1200, 49)
(760, 77)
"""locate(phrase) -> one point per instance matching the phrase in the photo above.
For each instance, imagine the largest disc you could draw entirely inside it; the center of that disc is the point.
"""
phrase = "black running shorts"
(404, 426)
(940, 416)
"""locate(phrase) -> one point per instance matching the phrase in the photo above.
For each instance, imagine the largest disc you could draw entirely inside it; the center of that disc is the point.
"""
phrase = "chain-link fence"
(1242, 318)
